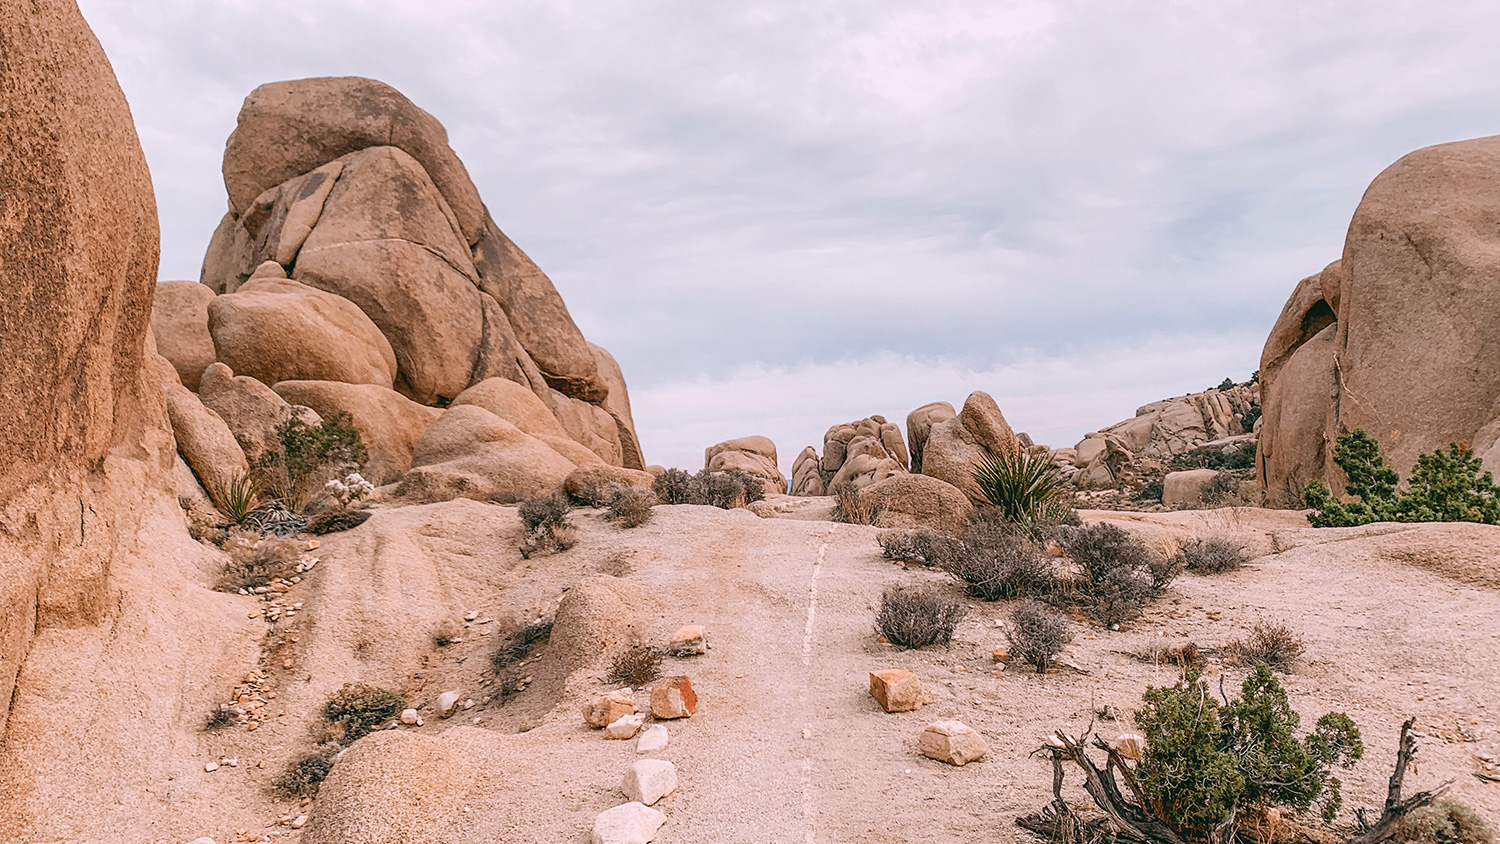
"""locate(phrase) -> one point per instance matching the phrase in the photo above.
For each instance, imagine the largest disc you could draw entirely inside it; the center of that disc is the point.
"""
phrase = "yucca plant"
(1027, 488)
(238, 497)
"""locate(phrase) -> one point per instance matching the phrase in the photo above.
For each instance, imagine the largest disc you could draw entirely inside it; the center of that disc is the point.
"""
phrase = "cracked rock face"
(347, 188)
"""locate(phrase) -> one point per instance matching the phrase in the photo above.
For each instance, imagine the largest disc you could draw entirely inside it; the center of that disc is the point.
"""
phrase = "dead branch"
(1397, 808)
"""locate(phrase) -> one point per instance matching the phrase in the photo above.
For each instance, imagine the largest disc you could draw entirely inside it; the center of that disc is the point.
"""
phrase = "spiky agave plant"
(238, 497)
(1027, 488)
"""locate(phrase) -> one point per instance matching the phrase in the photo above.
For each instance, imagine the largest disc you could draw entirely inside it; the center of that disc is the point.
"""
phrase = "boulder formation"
(356, 251)
(1394, 337)
(752, 455)
(955, 446)
(859, 453)
(97, 565)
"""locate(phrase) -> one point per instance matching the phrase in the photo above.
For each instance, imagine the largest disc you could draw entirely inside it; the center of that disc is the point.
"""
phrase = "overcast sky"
(781, 216)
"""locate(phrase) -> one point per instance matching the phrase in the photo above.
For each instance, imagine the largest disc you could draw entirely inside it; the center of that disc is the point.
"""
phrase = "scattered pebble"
(211, 767)
(953, 742)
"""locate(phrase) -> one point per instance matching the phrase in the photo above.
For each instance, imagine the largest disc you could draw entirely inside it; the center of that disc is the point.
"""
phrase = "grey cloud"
(969, 184)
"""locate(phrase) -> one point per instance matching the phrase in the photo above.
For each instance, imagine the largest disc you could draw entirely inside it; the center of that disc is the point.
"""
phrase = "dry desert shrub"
(915, 616)
(631, 505)
(520, 645)
(303, 775)
(219, 718)
(637, 665)
(1214, 555)
(1444, 822)
(1118, 574)
(907, 546)
(993, 565)
(257, 560)
(358, 708)
(446, 632)
(673, 486)
(754, 490)
(848, 508)
(335, 520)
(1037, 634)
(546, 522)
(1270, 642)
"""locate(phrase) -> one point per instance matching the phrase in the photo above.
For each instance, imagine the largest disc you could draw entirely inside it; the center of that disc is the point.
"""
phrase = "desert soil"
(788, 746)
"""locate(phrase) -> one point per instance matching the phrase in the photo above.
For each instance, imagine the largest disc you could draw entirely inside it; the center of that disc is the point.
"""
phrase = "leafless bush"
(992, 566)
(302, 777)
(1037, 634)
(219, 718)
(631, 505)
(446, 632)
(673, 486)
(903, 546)
(1271, 642)
(547, 527)
(638, 665)
(256, 560)
(915, 617)
(519, 645)
(754, 489)
(848, 508)
(1118, 573)
(1214, 555)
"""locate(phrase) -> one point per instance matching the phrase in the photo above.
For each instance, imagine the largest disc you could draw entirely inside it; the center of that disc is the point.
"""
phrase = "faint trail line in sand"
(807, 637)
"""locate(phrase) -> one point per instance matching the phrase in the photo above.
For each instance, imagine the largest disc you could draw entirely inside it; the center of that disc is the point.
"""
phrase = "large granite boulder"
(252, 410)
(286, 129)
(347, 187)
(1411, 311)
(955, 447)
(472, 453)
(919, 424)
(274, 330)
(917, 501)
(179, 319)
(752, 455)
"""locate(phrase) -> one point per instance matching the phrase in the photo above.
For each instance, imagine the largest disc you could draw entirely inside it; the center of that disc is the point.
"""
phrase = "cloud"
(724, 189)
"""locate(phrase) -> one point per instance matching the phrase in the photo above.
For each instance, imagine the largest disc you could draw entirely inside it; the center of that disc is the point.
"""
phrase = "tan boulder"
(537, 313)
(515, 404)
(404, 266)
(276, 330)
(617, 405)
(897, 690)
(389, 423)
(919, 425)
(953, 742)
(206, 443)
(1188, 489)
(288, 128)
(393, 785)
(673, 697)
(1298, 395)
(950, 455)
(472, 453)
(904, 500)
(252, 410)
(179, 319)
(982, 418)
(230, 256)
(595, 484)
(588, 425)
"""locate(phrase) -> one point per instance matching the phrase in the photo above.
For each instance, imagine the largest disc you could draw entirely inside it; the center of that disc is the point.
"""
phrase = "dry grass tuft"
(1270, 642)
(631, 505)
(638, 665)
(848, 508)
(256, 560)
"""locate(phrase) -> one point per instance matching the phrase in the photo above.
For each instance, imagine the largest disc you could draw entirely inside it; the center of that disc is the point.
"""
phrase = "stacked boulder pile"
(754, 456)
(1395, 337)
(358, 271)
(1159, 432)
(858, 453)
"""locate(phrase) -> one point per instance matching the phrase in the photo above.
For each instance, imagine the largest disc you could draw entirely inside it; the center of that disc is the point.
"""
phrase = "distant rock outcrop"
(357, 251)
(752, 455)
(859, 453)
(1397, 336)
